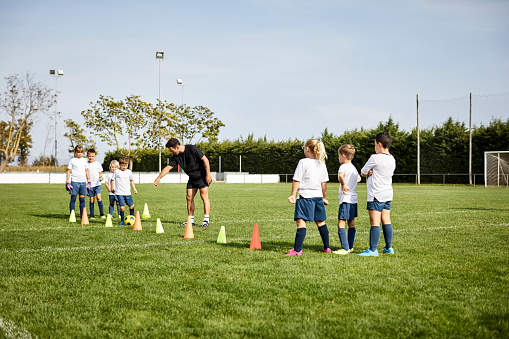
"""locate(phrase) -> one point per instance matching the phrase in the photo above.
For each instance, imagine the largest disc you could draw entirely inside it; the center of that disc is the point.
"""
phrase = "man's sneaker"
(103, 216)
(388, 250)
(341, 251)
(327, 250)
(205, 223)
(293, 252)
(185, 223)
(369, 253)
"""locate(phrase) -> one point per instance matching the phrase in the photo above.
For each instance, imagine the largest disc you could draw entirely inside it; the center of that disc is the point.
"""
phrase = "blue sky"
(275, 68)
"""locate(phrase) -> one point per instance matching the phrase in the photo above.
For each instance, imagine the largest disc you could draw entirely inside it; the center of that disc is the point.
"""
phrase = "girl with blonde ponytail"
(309, 190)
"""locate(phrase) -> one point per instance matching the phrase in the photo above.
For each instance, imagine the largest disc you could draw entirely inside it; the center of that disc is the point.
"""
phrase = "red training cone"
(188, 234)
(255, 239)
(84, 217)
(137, 222)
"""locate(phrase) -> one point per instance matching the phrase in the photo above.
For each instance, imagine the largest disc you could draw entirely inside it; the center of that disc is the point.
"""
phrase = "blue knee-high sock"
(92, 213)
(324, 233)
(351, 236)
(72, 204)
(118, 209)
(343, 239)
(299, 239)
(131, 211)
(111, 209)
(388, 232)
(374, 237)
(101, 207)
(122, 215)
(82, 205)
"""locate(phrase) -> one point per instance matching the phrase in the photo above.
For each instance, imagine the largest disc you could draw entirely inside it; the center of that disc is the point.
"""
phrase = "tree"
(24, 145)
(193, 121)
(129, 125)
(76, 136)
(22, 100)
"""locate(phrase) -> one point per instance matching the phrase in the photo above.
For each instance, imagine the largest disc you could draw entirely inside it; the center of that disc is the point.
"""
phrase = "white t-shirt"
(77, 167)
(380, 183)
(351, 176)
(310, 173)
(122, 181)
(94, 169)
(108, 180)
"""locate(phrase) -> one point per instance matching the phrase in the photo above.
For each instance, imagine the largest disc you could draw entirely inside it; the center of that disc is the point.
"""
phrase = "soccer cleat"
(368, 253)
(103, 216)
(327, 250)
(388, 250)
(341, 251)
(205, 223)
(185, 223)
(293, 252)
(92, 217)
(351, 250)
(122, 223)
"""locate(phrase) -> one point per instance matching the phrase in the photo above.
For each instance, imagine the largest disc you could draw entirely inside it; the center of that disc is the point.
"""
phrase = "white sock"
(206, 217)
(192, 218)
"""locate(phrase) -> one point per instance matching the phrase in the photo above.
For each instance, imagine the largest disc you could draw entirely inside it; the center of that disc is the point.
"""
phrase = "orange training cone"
(188, 234)
(255, 239)
(84, 217)
(137, 222)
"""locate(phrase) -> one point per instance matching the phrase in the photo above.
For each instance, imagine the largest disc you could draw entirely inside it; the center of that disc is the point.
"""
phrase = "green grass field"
(448, 278)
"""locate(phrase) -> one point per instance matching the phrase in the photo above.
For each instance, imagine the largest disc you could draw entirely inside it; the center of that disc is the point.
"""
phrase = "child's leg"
(300, 235)
(324, 233)
(100, 203)
(387, 228)
(351, 233)
(82, 204)
(92, 213)
(112, 204)
(374, 232)
(122, 207)
(342, 234)
(118, 209)
(72, 203)
(131, 210)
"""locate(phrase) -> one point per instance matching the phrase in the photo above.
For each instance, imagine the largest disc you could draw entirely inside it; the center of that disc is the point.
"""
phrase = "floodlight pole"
(159, 58)
(56, 74)
(418, 145)
(470, 143)
(181, 83)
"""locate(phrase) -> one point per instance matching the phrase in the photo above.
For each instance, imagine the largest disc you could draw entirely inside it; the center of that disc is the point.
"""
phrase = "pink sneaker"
(293, 252)
(327, 250)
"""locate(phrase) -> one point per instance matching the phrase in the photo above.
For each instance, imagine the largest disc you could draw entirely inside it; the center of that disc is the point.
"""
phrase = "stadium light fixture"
(181, 83)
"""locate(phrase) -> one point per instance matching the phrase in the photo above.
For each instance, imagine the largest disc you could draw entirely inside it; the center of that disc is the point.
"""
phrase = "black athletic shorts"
(197, 183)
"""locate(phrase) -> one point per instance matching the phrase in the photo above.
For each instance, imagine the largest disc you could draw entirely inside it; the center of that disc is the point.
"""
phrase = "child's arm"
(341, 179)
(101, 176)
(295, 187)
(324, 192)
(112, 187)
(89, 184)
(134, 187)
(68, 185)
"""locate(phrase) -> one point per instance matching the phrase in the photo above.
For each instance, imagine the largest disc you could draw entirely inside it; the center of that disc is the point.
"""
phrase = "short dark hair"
(384, 138)
(173, 142)
(124, 161)
(91, 150)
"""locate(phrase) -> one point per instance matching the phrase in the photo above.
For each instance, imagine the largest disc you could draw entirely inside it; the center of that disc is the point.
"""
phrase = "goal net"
(496, 168)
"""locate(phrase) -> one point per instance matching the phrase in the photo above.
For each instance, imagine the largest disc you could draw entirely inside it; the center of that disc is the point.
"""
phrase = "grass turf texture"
(448, 278)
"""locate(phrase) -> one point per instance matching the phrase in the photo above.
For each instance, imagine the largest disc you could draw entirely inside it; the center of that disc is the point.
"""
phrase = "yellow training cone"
(146, 214)
(221, 238)
(72, 217)
(108, 221)
(159, 226)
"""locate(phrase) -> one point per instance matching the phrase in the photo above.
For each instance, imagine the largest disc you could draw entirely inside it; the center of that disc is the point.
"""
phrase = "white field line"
(10, 330)
(246, 240)
(79, 227)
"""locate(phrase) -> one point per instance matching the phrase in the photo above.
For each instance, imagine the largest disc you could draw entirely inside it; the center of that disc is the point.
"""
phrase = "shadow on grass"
(481, 209)
(282, 247)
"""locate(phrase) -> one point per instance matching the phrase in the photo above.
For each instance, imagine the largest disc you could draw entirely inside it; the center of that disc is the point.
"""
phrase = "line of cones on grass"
(188, 233)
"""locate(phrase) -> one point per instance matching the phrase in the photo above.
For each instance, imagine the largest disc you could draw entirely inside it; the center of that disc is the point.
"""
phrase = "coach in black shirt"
(196, 165)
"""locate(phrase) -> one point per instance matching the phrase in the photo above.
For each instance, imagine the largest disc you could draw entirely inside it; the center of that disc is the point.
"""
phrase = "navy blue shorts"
(310, 209)
(93, 191)
(113, 198)
(125, 200)
(196, 183)
(78, 188)
(347, 211)
(379, 205)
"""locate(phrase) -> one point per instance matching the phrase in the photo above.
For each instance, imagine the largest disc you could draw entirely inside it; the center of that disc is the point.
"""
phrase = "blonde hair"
(348, 150)
(114, 163)
(317, 148)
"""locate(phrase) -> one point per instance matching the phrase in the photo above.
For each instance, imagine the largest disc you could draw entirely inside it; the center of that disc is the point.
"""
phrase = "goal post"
(496, 168)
